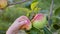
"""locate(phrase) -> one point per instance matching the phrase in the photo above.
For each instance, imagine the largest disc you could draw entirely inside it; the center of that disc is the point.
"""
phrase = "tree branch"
(51, 8)
(51, 13)
(19, 2)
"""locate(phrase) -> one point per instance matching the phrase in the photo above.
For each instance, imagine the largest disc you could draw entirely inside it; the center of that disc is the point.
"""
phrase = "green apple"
(39, 21)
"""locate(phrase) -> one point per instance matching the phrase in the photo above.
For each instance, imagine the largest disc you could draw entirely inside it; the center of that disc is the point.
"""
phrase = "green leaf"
(46, 31)
(56, 26)
(27, 4)
(57, 11)
(35, 31)
(33, 5)
(56, 19)
(56, 23)
(11, 13)
(37, 9)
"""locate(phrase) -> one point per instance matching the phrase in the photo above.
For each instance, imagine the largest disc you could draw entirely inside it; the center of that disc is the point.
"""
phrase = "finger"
(21, 18)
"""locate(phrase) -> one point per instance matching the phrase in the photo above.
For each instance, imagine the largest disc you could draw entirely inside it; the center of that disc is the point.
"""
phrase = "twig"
(19, 2)
(51, 13)
(51, 8)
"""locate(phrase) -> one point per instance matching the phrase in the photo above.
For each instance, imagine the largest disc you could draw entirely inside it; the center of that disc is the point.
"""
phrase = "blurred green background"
(9, 14)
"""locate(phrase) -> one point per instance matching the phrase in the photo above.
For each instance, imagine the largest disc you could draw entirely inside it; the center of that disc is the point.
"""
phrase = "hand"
(15, 27)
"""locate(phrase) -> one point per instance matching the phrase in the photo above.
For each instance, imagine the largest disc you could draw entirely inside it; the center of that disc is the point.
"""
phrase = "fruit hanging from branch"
(3, 4)
(39, 21)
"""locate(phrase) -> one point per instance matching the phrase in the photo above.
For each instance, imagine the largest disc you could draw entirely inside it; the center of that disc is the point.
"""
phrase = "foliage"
(29, 9)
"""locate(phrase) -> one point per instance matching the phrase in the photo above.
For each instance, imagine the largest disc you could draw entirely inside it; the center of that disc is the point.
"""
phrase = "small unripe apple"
(26, 26)
(39, 21)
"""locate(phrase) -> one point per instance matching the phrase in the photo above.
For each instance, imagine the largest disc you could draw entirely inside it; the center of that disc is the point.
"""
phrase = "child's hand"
(15, 27)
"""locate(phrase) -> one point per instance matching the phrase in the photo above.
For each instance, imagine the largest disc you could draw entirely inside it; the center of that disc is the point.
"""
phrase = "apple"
(3, 4)
(39, 21)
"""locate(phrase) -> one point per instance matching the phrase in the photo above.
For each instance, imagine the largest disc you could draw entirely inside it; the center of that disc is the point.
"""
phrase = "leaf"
(33, 5)
(57, 11)
(55, 23)
(56, 19)
(37, 9)
(26, 10)
(11, 13)
(27, 4)
(56, 26)
(35, 31)
(47, 31)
